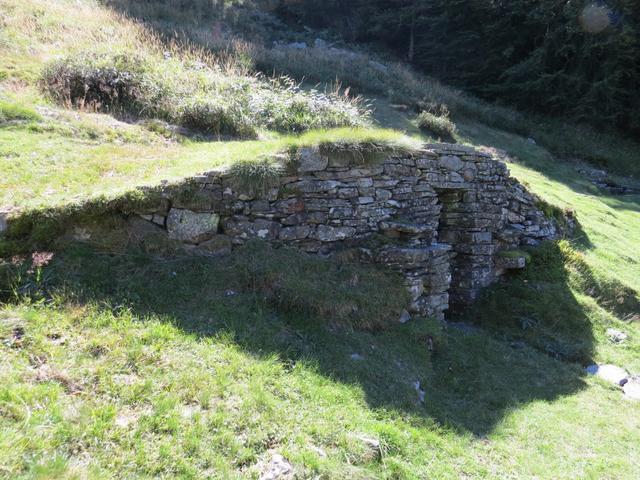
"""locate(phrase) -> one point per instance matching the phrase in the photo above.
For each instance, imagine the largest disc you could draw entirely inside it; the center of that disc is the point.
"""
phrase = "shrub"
(440, 126)
(98, 83)
(10, 111)
(215, 117)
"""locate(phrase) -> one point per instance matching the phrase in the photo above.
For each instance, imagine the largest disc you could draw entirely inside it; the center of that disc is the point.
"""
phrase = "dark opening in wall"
(461, 226)
(451, 232)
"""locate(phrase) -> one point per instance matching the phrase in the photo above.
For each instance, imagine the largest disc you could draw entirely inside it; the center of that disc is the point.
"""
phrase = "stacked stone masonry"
(441, 216)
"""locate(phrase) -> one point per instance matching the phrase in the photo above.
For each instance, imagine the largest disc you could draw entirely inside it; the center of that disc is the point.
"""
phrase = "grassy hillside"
(121, 361)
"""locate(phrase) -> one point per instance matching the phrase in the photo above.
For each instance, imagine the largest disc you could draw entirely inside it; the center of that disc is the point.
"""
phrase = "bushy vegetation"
(257, 175)
(195, 95)
(11, 111)
(441, 126)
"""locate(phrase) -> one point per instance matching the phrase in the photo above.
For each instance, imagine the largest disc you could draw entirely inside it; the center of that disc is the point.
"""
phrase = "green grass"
(117, 361)
(142, 367)
(44, 167)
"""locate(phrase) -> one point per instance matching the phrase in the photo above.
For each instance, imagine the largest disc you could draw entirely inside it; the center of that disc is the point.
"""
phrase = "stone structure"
(442, 216)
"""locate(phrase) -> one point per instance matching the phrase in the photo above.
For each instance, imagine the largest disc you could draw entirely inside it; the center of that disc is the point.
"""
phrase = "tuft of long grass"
(440, 126)
(256, 176)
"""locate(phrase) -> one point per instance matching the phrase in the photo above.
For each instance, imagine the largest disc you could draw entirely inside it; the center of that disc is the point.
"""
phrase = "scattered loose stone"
(188, 411)
(405, 316)
(278, 468)
(357, 357)
(81, 234)
(611, 373)
(218, 245)
(616, 336)
(125, 379)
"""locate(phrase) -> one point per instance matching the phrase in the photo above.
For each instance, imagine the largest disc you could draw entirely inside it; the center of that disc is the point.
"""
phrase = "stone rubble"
(440, 216)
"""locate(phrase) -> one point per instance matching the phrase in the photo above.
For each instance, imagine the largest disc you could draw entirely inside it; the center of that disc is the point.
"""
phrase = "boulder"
(451, 162)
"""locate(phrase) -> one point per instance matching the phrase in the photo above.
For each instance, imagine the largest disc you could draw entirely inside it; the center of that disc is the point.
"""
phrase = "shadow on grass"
(623, 202)
(471, 380)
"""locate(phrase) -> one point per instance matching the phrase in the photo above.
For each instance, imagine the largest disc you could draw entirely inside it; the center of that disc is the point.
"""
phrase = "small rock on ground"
(610, 373)
(278, 468)
(616, 335)
(631, 389)
(373, 446)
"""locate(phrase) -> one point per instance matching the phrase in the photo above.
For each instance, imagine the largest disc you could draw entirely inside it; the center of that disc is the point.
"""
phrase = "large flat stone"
(451, 162)
(409, 257)
(405, 227)
(325, 233)
(191, 227)
(311, 160)
(246, 229)
(610, 373)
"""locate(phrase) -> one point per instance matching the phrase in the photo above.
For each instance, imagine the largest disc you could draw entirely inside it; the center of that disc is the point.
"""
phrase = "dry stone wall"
(442, 216)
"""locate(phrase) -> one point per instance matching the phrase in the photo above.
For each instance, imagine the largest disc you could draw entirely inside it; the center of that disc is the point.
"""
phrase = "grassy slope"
(143, 366)
(149, 368)
(51, 157)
